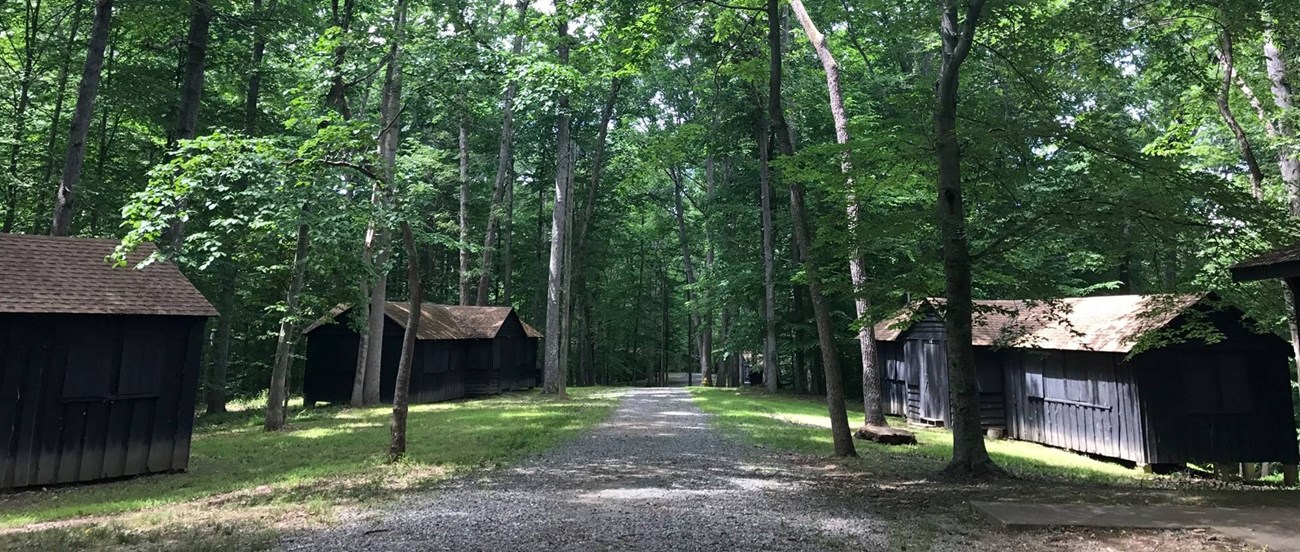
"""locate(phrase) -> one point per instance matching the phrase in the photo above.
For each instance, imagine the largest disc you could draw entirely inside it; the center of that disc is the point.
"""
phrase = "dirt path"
(656, 476)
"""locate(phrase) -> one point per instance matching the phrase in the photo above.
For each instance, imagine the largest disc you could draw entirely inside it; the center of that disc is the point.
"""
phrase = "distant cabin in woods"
(1060, 373)
(98, 365)
(460, 352)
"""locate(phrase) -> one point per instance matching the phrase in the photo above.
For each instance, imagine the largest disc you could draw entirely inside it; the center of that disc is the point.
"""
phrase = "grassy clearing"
(240, 476)
(800, 424)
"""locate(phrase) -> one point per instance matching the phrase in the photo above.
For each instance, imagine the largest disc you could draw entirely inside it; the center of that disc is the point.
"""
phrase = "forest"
(710, 186)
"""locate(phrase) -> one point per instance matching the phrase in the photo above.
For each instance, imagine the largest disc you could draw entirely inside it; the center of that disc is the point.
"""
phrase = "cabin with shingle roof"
(99, 364)
(461, 351)
(1154, 379)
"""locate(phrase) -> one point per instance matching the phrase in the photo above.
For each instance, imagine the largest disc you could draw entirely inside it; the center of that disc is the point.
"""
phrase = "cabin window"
(437, 359)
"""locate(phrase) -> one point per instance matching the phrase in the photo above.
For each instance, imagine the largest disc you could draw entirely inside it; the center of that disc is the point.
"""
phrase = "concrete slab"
(1276, 528)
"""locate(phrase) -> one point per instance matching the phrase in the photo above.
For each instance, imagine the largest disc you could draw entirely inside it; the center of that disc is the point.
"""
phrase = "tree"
(504, 160)
(554, 375)
(969, 456)
(86, 92)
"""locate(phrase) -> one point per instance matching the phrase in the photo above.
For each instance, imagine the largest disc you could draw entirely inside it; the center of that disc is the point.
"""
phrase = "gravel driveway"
(656, 476)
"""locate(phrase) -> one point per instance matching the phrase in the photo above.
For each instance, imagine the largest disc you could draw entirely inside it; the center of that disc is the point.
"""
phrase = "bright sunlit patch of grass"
(801, 424)
(326, 457)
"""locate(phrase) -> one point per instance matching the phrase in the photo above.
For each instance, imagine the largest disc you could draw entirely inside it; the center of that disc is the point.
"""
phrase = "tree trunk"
(187, 116)
(507, 243)
(830, 356)
(554, 374)
(215, 391)
(874, 413)
(969, 456)
(1288, 156)
(504, 158)
(1230, 119)
(389, 116)
(61, 224)
(401, 393)
(60, 96)
(689, 267)
(196, 52)
(31, 35)
(566, 288)
(463, 216)
(279, 393)
(769, 272)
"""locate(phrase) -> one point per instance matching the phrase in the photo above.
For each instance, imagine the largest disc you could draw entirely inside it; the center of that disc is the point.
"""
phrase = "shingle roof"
(1278, 263)
(1107, 324)
(44, 274)
(444, 321)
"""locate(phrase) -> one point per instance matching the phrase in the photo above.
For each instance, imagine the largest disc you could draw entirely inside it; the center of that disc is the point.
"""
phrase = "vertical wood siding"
(89, 397)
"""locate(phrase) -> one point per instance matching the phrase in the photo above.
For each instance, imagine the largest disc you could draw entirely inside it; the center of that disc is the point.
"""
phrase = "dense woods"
(719, 187)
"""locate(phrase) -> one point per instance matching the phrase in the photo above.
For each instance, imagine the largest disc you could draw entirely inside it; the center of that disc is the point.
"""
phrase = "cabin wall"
(331, 364)
(482, 377)
(89, 397)
(914, 377)
(1229, 402)
(1077, 400)
(893, 376)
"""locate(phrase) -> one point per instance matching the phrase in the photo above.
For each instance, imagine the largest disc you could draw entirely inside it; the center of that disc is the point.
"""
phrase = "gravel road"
(656, 476)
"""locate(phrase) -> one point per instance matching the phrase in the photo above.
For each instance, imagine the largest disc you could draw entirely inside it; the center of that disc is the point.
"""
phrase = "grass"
(326, 458)
(800, 424)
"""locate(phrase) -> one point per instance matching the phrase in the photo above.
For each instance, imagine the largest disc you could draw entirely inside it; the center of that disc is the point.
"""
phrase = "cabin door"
(934, 380)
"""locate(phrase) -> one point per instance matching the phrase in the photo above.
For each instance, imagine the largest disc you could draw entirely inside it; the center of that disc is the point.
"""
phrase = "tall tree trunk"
(279, 392)
(566, 288)
(187, 116)
(1288, 155)
(769, 255)
(504, 157)
(390, 116)
(402, 390)
(554, 373)
(969, 456)
(81, 115)
(60, 96)
(689, 267)
(196, 52)
(874, 413)
(215, 390)
(1230, 119)
(31, 35)
(803, 231)
(463, 214)
(507, 245)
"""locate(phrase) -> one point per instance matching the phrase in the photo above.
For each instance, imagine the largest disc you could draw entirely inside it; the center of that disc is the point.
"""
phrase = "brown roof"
(1107, 324)
(44, 274)
(1278, 263)
(444, 321)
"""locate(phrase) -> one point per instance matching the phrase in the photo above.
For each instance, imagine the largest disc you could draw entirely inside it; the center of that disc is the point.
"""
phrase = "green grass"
(327, 457)
(800, 424)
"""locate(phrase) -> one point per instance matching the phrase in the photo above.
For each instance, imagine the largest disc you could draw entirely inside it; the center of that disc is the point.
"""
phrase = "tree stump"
(886, 435)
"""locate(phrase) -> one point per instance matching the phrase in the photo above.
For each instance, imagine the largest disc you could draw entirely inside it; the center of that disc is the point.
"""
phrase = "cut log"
(886, 435)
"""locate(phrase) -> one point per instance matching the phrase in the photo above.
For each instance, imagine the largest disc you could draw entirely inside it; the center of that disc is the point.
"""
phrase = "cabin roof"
(62, 275)
(1279, 263)
(444, 322)
(1104, 324)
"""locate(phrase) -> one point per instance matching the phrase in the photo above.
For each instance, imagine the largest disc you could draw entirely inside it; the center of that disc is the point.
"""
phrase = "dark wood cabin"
(99, 365)
(460, 352)
(1107, 376)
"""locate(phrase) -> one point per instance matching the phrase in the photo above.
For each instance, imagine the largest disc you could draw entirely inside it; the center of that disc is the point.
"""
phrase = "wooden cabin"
(99, 365)
(460, 352)
(1111, 376)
